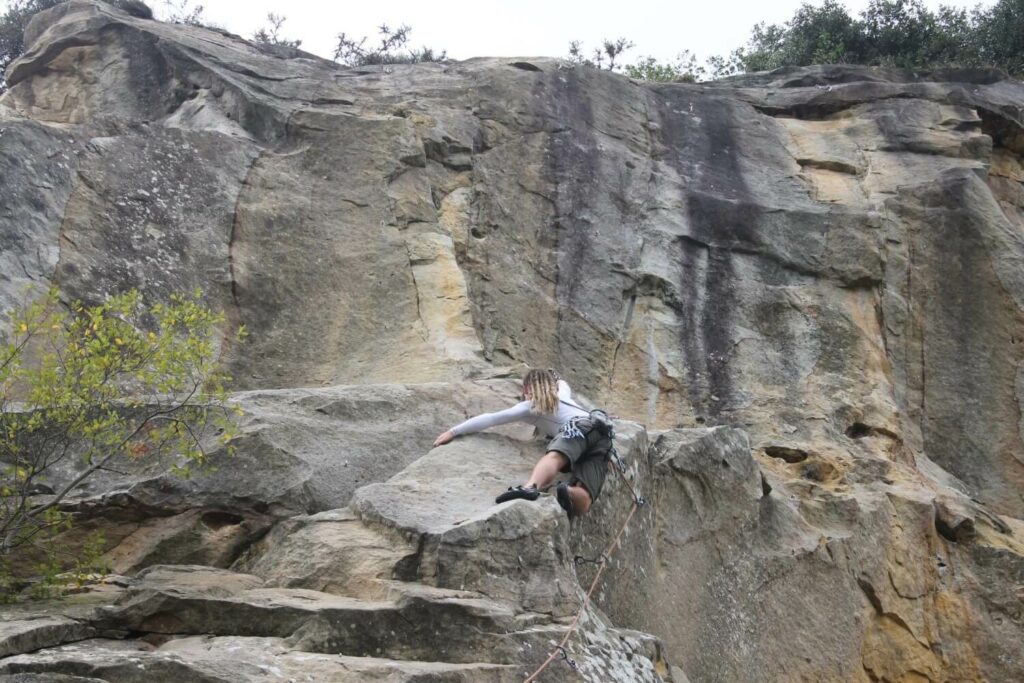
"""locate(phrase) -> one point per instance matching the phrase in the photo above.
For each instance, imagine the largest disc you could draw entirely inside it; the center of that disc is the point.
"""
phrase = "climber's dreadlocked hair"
(543, 388)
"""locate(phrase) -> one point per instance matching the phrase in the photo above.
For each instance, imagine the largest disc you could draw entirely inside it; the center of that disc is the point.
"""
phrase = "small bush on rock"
(271, 33)
(183, 12)
(607, 57)
(391, 49)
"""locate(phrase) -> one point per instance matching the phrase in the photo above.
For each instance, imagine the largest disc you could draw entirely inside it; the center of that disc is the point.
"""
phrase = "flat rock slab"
(36, 624)
(47, 678)
(29, 635)
(417, 624)
(450, 485)
(305, 450)
(205, 659)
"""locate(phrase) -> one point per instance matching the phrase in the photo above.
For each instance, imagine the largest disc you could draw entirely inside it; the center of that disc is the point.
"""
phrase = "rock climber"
(581, 441)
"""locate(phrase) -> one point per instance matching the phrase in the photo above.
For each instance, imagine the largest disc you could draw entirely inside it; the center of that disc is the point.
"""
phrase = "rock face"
(420, 578)
(807, 285)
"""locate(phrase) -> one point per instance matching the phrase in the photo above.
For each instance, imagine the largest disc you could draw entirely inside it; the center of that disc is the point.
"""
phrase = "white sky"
(475, 28)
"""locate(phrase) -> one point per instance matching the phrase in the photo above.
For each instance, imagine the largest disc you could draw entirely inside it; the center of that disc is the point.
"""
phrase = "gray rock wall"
(826, 258)
(831, 247)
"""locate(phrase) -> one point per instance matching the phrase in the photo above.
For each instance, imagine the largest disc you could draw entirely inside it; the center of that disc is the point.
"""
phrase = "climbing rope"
(601, 562)
(620, 467)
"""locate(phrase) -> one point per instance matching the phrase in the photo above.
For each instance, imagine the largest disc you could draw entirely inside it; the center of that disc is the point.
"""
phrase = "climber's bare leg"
(580, 499)
(547, 468)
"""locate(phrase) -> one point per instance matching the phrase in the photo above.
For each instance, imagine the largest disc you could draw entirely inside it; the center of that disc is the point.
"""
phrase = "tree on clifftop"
(815, 35)
(901, 33)
(896, 33)
(999, 35)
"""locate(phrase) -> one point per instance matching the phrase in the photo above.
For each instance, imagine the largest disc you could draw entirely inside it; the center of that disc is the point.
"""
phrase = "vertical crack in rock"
(623, 335)
(917, 332)
(424, 330)
(233, 236)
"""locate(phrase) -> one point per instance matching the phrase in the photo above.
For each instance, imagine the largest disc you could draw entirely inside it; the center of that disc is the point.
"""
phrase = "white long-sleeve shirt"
(524, 412)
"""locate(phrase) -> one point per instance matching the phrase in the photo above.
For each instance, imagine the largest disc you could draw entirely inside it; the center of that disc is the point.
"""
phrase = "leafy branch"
(109, 383)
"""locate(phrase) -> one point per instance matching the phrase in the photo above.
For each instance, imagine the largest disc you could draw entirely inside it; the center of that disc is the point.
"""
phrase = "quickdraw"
(599, 560)
(565, 657)
(617, 459)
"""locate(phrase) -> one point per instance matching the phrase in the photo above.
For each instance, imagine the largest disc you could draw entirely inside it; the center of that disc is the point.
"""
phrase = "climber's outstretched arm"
(518, 412)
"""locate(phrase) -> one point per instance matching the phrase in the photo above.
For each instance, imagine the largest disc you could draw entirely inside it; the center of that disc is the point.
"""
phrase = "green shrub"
(684, 69)
(391, 48)
(108, 384)
(902, 33)
(271, 33)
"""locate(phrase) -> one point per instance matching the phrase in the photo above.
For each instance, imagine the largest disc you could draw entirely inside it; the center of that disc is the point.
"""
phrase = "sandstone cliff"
(805, 288)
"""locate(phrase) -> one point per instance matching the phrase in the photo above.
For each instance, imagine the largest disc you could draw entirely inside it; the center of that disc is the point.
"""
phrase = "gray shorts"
(588, 457)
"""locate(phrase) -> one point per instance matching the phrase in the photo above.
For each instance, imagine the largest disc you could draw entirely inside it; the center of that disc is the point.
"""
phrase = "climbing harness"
(571, 430)
(599, 420)
(601, 562)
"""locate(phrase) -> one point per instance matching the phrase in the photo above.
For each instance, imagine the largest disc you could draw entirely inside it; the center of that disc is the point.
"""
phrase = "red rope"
(560, 648)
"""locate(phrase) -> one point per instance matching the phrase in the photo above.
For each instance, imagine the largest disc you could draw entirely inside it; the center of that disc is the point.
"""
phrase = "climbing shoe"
(514, 492)
(564, 499)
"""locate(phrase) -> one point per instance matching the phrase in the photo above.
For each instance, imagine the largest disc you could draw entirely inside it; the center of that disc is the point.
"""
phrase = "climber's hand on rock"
(444, 438)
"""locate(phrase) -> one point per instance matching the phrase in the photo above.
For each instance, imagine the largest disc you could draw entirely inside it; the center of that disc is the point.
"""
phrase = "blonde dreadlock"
(542, 386)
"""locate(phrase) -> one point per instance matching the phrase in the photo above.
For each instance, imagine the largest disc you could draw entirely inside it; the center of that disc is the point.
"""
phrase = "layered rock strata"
(419, 578)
